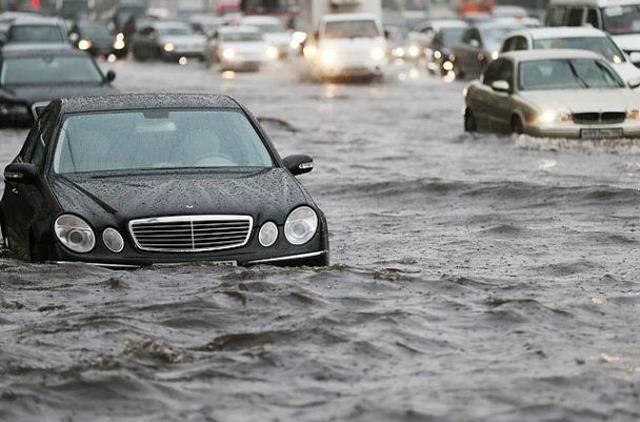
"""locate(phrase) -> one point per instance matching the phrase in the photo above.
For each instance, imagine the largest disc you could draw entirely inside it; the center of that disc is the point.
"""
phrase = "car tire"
(470, 122)
(516, 125)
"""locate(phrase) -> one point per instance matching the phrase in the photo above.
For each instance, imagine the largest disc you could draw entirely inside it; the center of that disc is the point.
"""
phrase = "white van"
(620, 18)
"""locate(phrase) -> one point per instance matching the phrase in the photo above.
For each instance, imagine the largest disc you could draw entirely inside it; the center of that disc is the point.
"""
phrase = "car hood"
(354, 45)
(266, 195)
(30, 94)
(278, 38)
(627, 70)
(628, 42)
(184, 39)
(580, 101)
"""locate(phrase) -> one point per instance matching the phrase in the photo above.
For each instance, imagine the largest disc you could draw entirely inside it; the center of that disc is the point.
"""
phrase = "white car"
(273, 31)
(241, 48)
(582, 38)
(553, 93)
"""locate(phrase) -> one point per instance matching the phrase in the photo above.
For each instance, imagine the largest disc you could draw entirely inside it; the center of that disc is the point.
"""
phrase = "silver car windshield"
(158, 139)
(49, 70)
(351, 29)
(567, 74)
(36, 34)
(601, 45)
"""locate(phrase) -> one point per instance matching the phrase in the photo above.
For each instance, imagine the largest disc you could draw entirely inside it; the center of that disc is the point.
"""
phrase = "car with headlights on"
(275, 34)
(437, 39)
(581, 38)
(29, 76)
(168, 40)
(135, 180)
(241, 48)
(553, 93)
(96, 39)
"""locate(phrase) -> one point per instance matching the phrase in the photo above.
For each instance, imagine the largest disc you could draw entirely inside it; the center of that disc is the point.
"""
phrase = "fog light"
(268, 234)
(113, 240)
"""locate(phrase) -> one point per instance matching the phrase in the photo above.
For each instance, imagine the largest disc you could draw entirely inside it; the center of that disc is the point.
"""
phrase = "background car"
(207, 25)
(553, 93)
(38, 30)
(273, 31)
(168, 40)
(68, 196)
(31, 76)
(480, 44)
(241, 48)
(583, 38)
(443, 34)
(96, 39)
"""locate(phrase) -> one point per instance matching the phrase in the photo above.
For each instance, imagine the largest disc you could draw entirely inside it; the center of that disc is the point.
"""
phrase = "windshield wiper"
(575, 73)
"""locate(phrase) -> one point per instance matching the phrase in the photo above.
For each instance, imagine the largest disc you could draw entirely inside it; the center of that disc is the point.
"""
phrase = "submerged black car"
(144, 179)
(35, 74)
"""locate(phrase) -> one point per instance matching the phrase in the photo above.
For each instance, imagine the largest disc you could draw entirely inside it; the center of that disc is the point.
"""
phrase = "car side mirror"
(110, 76)
(298, 164)
(501, 86)
(20, 173)
(474, 43)
(634, 83)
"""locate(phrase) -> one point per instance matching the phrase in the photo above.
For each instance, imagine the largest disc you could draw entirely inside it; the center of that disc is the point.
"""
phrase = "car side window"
(521, 44)
(492, 73)
(505, 72)
(557, 16)
(509, 45)
(575, 17)
(592, 18)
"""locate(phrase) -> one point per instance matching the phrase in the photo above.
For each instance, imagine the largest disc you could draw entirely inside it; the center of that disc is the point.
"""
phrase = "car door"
(26, 199)
(503, 107)
(480, 96)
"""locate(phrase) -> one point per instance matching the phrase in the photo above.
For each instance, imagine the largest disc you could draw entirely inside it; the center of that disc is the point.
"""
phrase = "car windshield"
(158, 139)
(241, 37)
(49, 70)
(96, 32)
(618, 20)
(36, 34)
(601, 45)
(351, 29)
(493, 37)
(567, 74)
(451, 36)
(175, 30)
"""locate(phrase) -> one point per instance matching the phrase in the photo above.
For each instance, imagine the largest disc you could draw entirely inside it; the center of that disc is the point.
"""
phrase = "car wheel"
(516, 125)
(470, 122)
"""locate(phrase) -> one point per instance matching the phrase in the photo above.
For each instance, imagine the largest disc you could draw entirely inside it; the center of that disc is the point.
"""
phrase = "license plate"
(601, 133)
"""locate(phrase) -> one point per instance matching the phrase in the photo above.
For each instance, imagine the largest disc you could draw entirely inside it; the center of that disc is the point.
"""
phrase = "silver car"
(553, 93)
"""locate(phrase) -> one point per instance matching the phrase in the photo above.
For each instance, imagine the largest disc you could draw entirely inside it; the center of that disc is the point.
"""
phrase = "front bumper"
(177, 54)
(351, 70)
(318, 258)
(242, 63)
(572, 130)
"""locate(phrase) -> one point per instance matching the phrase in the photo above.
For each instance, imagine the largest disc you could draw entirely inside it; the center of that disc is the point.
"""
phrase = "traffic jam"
(454, 180)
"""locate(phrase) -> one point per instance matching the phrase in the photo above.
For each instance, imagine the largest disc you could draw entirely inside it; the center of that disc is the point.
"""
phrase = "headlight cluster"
(633, 114)
(272, 53)
(551, 116)
(377, 54)
(228, 53)
(84, 44)
(299, 228)
(169, 47)
(78, 236)
(119, 42)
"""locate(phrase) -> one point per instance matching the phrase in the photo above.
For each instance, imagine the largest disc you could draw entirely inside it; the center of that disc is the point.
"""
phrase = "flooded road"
(474, 278)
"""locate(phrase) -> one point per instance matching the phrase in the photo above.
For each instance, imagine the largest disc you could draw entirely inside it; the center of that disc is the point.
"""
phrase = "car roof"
(19, 50)
(595, 3)
(560, 32)
(449, 23)
(261, 19)
(124, 102)
(527, 55)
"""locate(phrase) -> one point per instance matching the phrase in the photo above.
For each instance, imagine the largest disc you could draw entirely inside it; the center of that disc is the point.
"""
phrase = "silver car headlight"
(633, 114)
(75, 233)
(113, 240)
(301, 225)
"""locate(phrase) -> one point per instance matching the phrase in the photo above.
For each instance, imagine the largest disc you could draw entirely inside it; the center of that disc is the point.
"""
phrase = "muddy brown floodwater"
(474, 278)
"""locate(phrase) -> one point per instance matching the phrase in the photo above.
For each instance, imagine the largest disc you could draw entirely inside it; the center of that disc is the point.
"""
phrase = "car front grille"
(599, 118)
(190, 234)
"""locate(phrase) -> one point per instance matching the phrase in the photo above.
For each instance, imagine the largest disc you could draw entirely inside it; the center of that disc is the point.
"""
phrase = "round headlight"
(169, 47)
(301, 225)
(268, 234)
(113, 240)
(75, 233)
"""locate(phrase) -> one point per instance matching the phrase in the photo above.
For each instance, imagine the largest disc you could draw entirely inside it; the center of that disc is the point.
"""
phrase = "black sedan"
(96, 39)
(136, 180)
(33, 75)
